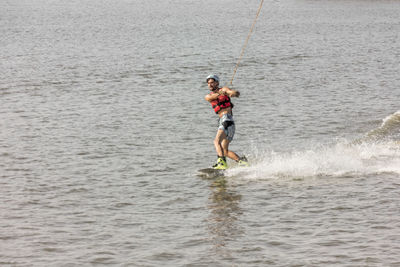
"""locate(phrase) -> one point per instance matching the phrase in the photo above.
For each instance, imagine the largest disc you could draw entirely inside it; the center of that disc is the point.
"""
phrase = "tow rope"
(245, 43)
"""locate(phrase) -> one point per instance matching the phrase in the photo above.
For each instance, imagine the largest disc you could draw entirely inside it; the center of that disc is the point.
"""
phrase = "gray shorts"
(227, 124)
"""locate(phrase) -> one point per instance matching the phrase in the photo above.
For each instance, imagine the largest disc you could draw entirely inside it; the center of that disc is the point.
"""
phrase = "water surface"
(104, 126)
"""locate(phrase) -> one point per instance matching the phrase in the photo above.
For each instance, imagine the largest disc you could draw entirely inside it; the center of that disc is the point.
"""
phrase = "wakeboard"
(212, 172)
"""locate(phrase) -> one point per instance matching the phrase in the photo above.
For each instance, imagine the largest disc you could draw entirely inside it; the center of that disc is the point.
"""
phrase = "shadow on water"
(224, 212)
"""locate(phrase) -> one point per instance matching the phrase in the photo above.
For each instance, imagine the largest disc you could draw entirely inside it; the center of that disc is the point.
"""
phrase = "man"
(220, 99)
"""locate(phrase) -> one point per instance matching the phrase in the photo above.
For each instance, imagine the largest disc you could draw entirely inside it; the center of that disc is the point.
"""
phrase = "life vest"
(223, 101)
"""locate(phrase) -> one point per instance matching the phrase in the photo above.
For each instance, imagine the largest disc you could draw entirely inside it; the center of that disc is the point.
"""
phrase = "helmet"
(213, 76)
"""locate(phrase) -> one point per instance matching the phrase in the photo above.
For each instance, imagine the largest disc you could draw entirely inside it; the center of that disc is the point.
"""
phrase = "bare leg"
(218, 143)
(221, 144)
(228, 153)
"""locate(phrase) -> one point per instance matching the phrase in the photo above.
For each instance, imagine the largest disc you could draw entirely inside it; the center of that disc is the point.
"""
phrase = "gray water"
(104, 126)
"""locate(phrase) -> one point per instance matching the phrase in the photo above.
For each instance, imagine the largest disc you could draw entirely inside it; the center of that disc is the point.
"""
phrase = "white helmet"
(213, 76)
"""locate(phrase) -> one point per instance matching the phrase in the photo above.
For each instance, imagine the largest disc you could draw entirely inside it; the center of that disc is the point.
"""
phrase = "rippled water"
(104, 126)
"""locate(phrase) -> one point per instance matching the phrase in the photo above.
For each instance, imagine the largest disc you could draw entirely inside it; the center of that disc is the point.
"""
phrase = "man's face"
(212, 84)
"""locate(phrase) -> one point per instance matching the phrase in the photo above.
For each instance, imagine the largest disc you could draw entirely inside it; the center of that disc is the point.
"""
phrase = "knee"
(216, 142)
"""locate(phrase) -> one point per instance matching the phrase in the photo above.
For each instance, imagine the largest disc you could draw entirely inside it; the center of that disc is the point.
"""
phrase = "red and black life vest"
(223, 101)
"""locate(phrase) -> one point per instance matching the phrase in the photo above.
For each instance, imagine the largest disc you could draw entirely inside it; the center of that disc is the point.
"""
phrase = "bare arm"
(222, 91)
(229, 92)
(211, 97)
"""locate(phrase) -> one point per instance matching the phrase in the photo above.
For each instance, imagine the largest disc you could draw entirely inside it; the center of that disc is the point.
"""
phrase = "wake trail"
(378, 152)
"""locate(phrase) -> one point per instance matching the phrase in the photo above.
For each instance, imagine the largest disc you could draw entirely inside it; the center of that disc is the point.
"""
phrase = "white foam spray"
(341, 159)
(378, 153)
